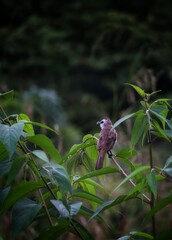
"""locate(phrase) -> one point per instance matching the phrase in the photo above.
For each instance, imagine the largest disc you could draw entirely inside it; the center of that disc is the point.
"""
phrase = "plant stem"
(147, 200)
(152, 202)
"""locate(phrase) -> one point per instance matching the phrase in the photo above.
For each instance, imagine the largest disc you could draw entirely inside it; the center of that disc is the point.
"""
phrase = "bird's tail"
(100, 160)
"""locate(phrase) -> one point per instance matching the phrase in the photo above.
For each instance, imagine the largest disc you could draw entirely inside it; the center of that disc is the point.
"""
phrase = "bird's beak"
(98, 122)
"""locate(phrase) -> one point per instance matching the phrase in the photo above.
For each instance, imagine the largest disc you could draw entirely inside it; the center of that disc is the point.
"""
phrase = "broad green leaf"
(56, 231)
(111, 203)
(9, 136)
(3, 151)
(96, 173)
(161, 111)
(168, 133)
(134, 173)
(63, 211)
(5, 166)
(23, 214)
(160, 132)
(27, 127)
(168, 162)
(16, 165)
(158, 207)
(86, 195)
(7, 95)
(151, 180)
(125, 154)
(93, 183)
(138, 128)
(58, 176)
(142, 234)
(46, 144)
(3, 194)
(74, 208)
(21, 190)
(41, 155)
(137, 89)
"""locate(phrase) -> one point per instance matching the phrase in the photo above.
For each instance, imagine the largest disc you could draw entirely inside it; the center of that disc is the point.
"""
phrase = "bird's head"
(105, 123)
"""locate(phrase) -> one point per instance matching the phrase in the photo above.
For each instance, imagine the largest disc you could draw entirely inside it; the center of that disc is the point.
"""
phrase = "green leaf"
(93, 183)
(142, 234)
(41, 155)
(158, 207)
(123, 119)
(5, 166)
(58, 176)
(42, 125)
(63, 211)
(27, 127)
(21, 190)
(111, 203)
(168, 172)
(125, 154)
(10, 135)
(3, 151)
(162, 118)
(151, 180)
(17, 163)
(168, 133)
(86, 195)
(56, 231)
(74, 208)
(160, 132)
(23, 213)
(96, 173)
(81, 231)
(160, 111)
(46, 144)
(137, 89)
(134, 173)
(3, 194)
(7, 95)
(138, 128)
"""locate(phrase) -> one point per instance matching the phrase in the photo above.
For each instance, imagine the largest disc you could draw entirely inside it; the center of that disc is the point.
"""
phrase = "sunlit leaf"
(137, 89)
(23, 213)
(27, 127)
(142, 234)
(41, 155)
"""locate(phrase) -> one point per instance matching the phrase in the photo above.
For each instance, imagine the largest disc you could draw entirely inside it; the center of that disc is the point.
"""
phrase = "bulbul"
(107, 139)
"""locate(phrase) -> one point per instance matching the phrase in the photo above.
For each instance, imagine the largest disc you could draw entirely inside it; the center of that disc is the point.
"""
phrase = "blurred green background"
(68, 60)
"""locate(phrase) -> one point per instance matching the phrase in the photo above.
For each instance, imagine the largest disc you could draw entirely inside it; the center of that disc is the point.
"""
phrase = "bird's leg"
(109, 154)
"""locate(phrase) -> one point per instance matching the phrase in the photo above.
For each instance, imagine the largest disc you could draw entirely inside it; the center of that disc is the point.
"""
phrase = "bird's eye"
(102, 121)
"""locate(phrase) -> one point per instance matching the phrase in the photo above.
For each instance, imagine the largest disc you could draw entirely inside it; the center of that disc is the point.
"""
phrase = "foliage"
(38, 183)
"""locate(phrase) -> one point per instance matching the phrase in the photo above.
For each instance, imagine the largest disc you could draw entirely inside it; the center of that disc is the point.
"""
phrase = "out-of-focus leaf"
(168, 162)
(16, 165)
(123, 119)
(9, 136)
(5, 166)
(160, 205)
(86, 195)
(142, 234)
(19, 191)
(159, 130)
(7, 95)
(23, 213)
(46, 144)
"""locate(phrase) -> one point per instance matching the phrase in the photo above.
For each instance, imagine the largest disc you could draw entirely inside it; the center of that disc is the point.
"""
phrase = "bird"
(106, 141)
